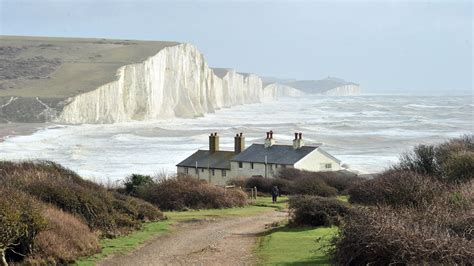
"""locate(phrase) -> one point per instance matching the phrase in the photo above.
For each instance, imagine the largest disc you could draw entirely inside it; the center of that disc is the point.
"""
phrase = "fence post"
(255, 192)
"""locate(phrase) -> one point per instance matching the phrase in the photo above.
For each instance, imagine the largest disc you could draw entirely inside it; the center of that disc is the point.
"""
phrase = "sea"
(367, 133)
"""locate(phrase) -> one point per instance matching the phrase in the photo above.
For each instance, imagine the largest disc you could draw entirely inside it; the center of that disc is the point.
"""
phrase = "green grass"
(282, 202)
(129, 242)
(295, 246)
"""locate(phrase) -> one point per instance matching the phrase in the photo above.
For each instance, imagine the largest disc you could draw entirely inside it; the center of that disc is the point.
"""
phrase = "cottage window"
(328, 166)
(241, 164)
(251, 165)
(202, 170)
(186, 170)
(224, 173)
(213, 172)
(197, 171)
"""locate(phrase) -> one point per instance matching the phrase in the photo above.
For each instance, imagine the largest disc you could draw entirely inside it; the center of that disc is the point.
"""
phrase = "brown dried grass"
(65, 239)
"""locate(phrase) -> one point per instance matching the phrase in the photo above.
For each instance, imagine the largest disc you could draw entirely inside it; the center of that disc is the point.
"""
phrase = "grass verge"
(295, 246)
(129, 242)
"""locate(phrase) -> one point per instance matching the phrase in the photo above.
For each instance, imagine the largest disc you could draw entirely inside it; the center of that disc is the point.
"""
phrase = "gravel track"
(220, 241)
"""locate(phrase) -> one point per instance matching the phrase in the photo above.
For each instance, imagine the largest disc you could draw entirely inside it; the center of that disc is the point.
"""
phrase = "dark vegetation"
(12, 66)
(50, 214)
(292, 181)
(313, 199)
(418, 212)
(182, 193)
(316, 211)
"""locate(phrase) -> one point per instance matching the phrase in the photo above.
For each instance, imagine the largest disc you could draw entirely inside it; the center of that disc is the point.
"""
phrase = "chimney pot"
(296, 135)
(271, 134)
(301, 135)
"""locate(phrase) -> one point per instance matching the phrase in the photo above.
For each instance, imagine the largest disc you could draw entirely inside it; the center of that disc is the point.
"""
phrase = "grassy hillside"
(61, 67)
(51, 214)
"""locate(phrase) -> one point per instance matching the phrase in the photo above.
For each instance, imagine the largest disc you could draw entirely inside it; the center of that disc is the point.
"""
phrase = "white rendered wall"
(315, 162)
(204, 174)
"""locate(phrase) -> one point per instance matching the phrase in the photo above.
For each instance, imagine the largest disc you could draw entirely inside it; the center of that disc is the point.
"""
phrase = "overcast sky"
(385, 46)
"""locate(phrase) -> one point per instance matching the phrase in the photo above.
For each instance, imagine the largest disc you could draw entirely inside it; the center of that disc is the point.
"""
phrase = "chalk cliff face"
(176, 82)
(276, 90)
(346, 90)
(327, 86)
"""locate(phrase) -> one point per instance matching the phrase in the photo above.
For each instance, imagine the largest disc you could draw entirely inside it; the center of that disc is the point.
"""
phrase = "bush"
(312, 186)
(184, 192)
(100, 209)
(65, 239)
(451, 161)
(341, 180)
(316, 211)
(385, 235)
(20, 222)
(402, 188)
(459, 166)
(264, 185)
(239, 182)
(135, 182)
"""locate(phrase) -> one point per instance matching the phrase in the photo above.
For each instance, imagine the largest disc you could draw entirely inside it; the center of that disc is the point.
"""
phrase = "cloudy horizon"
(384, 46)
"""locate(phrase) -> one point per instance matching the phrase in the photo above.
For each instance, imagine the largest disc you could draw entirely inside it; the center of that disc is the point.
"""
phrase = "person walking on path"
(275, 192)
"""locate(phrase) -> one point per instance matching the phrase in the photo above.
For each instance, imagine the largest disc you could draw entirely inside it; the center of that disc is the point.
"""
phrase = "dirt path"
(222, 241)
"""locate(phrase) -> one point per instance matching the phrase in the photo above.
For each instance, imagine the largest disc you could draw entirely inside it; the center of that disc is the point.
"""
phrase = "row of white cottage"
(264, 160)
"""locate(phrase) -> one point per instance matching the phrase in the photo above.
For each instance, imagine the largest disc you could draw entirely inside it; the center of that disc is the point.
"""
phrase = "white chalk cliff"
(276, 90)
(176, 82)
(345, 90)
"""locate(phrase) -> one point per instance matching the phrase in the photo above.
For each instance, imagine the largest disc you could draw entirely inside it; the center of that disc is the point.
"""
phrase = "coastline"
(8, 130)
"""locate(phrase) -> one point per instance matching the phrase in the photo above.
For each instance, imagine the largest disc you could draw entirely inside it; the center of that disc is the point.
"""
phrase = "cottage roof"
(205, 159)
(276, 154)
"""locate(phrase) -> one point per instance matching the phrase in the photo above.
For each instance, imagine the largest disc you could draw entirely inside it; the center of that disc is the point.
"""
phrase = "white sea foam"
(365, 132)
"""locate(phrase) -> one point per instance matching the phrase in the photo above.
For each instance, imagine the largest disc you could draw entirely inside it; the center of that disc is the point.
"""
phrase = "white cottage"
(263, 160)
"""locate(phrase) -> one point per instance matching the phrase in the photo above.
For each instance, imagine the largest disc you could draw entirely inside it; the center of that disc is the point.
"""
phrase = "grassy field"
(84, 64)
(150, 230)
(295, 246)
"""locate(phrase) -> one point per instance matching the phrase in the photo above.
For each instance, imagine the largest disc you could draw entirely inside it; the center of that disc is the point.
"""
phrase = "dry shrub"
(439, 231)
(239, 182)
(189, 193)
(341, 180)
(386, 235)
(20, 223)
(402, 188)
(265, 185)
(449, 161)
(65, 239)
(316, 211)
(312, 186)
(101, 209)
